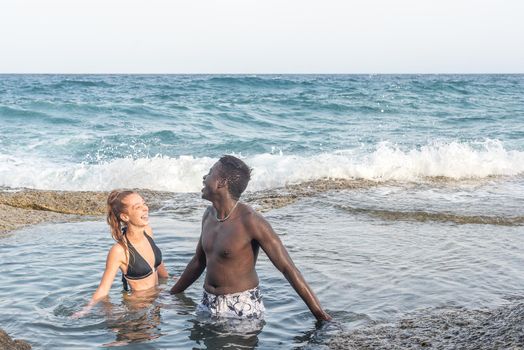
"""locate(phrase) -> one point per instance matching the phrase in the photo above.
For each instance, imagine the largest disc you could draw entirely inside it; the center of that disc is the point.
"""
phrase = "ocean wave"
(24, 115)
(264, 81)
(454, 161)
(10, 112)
(68, 83)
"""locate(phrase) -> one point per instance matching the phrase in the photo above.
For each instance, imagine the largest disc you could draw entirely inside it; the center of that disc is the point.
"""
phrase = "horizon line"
(363, 73)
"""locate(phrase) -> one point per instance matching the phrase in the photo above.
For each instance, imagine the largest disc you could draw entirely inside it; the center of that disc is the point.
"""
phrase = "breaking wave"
(454, 161)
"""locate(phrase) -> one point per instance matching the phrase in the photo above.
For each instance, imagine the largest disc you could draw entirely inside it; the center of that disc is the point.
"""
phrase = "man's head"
(229, 172)
(236, 174)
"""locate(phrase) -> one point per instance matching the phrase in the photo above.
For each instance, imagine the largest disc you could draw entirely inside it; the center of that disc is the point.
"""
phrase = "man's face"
(211, 181)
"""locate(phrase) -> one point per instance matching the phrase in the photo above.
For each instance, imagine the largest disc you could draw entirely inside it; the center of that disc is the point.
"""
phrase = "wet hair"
(236, 173)
(115, 207)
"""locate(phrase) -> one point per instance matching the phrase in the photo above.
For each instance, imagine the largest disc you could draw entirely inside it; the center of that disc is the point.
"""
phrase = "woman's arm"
(113, 262)
(162, 271)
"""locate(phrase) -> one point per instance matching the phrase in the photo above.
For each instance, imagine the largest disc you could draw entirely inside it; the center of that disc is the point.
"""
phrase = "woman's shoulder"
(117, 249)
(117, 254)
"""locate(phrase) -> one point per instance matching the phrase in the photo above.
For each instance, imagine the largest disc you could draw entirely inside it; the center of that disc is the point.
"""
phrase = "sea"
(434, 215)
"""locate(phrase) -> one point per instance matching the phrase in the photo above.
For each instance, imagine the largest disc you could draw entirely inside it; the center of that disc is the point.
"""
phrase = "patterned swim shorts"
(246, 304)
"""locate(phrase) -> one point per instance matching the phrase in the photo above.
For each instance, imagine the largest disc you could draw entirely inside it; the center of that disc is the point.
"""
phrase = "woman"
(134, 253)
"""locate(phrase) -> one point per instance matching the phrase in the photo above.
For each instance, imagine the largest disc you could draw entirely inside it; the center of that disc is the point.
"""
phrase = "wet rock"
(7, 343)
(69, 202)
(443, 328)
(280, 197)
(22, 207)
(12, 218)
(28, 207)
(65, 202)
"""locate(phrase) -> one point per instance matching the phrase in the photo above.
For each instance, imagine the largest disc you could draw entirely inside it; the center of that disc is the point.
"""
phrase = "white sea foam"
(184, 174)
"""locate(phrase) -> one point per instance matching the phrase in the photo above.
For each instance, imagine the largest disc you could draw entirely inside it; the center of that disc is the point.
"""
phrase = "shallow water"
(432, 215)
(362, 268)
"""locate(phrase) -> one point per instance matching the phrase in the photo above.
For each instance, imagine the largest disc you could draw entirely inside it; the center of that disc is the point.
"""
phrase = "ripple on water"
(363, 271)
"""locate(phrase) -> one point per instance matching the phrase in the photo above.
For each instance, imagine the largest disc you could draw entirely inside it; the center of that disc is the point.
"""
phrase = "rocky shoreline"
(23, 207)
(7, 343)
(443, 328)
(29, 207)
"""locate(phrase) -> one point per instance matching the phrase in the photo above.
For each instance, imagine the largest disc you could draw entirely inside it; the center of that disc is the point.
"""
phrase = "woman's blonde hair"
(115, 207)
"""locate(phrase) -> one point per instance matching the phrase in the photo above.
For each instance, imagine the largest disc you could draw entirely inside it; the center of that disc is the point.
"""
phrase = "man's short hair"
(236, 173)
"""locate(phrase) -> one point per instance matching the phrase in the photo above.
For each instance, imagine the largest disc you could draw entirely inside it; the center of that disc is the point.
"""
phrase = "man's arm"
(262, 231)
(196, 266)
(193, 270)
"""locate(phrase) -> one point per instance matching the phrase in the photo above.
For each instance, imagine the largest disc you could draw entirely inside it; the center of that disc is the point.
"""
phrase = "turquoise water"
(435, 217)
(89, 132)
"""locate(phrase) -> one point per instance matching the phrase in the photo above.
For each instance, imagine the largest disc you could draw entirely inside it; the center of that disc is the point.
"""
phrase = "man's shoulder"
(254, 223)
(250, 216)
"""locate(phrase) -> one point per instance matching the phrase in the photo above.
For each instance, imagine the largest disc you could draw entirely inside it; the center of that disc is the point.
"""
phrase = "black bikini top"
(138, 267)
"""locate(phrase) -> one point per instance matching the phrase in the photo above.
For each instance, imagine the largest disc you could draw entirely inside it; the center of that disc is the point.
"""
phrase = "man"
(232, 233)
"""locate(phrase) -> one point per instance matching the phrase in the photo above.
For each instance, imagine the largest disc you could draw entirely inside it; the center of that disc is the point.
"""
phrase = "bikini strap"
(124, 283)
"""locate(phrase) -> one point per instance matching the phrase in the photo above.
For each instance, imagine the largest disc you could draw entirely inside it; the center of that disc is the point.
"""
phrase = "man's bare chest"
(225, 241)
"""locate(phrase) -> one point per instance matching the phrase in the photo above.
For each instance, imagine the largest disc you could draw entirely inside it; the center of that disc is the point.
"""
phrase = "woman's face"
(137, 212)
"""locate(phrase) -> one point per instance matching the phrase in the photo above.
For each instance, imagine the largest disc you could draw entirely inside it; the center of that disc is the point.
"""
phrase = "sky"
(262, 36)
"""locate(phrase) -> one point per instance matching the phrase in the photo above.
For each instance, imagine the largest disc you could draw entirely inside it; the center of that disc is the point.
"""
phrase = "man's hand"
(323, 316)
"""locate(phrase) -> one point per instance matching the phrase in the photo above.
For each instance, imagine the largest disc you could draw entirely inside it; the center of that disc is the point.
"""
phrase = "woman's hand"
(85, 310)
(114, 260)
